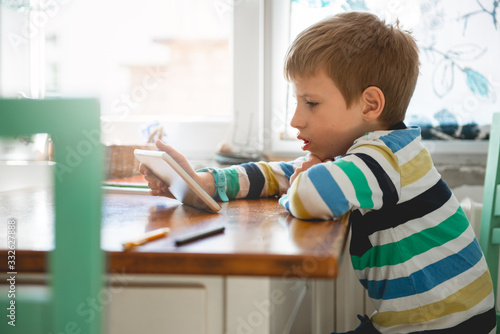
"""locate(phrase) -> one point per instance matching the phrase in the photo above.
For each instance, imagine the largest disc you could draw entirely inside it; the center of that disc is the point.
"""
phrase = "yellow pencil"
(152, 235)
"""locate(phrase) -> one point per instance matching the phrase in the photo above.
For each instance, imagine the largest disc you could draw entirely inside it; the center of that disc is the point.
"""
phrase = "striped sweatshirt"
(412, 247)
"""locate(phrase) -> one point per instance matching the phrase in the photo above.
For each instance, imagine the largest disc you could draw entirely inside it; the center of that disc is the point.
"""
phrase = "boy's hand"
(310, 161)
(159, 188)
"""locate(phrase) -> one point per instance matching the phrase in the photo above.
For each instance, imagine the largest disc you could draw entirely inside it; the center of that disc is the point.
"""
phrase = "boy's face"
(326, 126)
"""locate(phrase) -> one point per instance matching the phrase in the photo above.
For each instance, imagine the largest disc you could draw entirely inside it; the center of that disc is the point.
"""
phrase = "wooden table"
(260, 239)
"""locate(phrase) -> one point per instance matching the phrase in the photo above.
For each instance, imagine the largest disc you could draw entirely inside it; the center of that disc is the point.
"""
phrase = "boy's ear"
(373, 101)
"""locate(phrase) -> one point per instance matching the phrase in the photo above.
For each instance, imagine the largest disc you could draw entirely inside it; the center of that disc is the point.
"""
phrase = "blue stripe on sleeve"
(396, 140)
(283, 201)
(426, 278)
(328, 189)
(287, 168)
(256, 179)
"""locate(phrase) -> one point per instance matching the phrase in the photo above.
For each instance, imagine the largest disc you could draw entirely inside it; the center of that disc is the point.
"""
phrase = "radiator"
(473, 210)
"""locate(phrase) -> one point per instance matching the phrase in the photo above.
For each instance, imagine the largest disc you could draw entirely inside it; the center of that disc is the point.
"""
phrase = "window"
(165, 62)
(458, 88)
(169, 57)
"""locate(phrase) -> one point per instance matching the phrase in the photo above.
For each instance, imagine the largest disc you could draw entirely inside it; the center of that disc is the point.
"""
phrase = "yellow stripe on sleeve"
(416, 168)
(296, 206)
(462, 300)
(387, 153)
(272, 181)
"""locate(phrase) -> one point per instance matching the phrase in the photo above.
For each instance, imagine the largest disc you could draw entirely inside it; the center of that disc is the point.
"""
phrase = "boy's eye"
(312, 104)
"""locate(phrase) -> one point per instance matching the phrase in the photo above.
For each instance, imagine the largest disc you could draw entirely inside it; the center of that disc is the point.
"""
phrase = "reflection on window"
(459, 83)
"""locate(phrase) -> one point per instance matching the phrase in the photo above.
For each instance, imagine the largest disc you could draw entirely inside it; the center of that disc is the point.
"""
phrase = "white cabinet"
(173, 304)
(158, 310)
(157, 304)
(218, 305)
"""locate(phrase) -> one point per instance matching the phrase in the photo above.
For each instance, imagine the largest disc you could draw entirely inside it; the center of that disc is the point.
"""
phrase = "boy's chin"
(325, 156)
(321, 156)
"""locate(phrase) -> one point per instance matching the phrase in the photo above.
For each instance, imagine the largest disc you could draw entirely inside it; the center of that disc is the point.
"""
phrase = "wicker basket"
(121, 162)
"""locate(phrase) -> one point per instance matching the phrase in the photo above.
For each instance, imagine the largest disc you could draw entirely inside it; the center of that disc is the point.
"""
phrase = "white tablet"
(179, 182)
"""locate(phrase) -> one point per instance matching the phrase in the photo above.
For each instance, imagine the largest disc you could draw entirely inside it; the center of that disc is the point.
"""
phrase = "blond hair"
(358, 50)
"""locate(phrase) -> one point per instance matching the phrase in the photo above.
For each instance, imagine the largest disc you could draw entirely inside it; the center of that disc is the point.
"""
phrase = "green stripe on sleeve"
(232, 182)
(359, 182)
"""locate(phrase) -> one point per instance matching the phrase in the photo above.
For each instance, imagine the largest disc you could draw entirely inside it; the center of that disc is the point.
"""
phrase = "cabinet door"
(156, 310)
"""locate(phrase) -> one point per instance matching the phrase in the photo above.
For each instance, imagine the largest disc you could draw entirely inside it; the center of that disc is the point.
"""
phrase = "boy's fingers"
(152, 186)
(157, 184)
(167, 193)
(152, 178)
(161, 192)
(177, 156)
(169, 149)
(161, 145)
(144, 170)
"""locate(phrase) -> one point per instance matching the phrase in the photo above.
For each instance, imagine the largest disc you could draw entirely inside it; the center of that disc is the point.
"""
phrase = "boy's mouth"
(306, 143)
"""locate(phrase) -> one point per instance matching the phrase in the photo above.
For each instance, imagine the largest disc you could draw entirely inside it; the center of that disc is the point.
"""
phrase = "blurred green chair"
(490, 217)
(76, 265)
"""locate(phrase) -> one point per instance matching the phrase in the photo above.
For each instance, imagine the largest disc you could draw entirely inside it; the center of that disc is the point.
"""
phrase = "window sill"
(458, 152)
(195, 137)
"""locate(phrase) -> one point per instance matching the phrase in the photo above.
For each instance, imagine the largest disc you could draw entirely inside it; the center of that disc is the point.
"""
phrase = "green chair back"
(489, 237)
(76, 264)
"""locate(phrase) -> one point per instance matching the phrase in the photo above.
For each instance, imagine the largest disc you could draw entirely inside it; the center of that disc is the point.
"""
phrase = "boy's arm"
(250, 180)
(329, 190)
(259, 179)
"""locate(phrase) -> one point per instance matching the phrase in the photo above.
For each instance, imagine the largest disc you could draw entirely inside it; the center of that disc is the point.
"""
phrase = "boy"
(411, 247)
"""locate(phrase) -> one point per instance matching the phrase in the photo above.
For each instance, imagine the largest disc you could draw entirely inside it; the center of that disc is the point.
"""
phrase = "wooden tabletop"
(260, 237)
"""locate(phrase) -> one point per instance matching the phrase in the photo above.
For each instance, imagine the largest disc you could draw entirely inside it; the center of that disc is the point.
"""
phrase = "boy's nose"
(297, 120)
